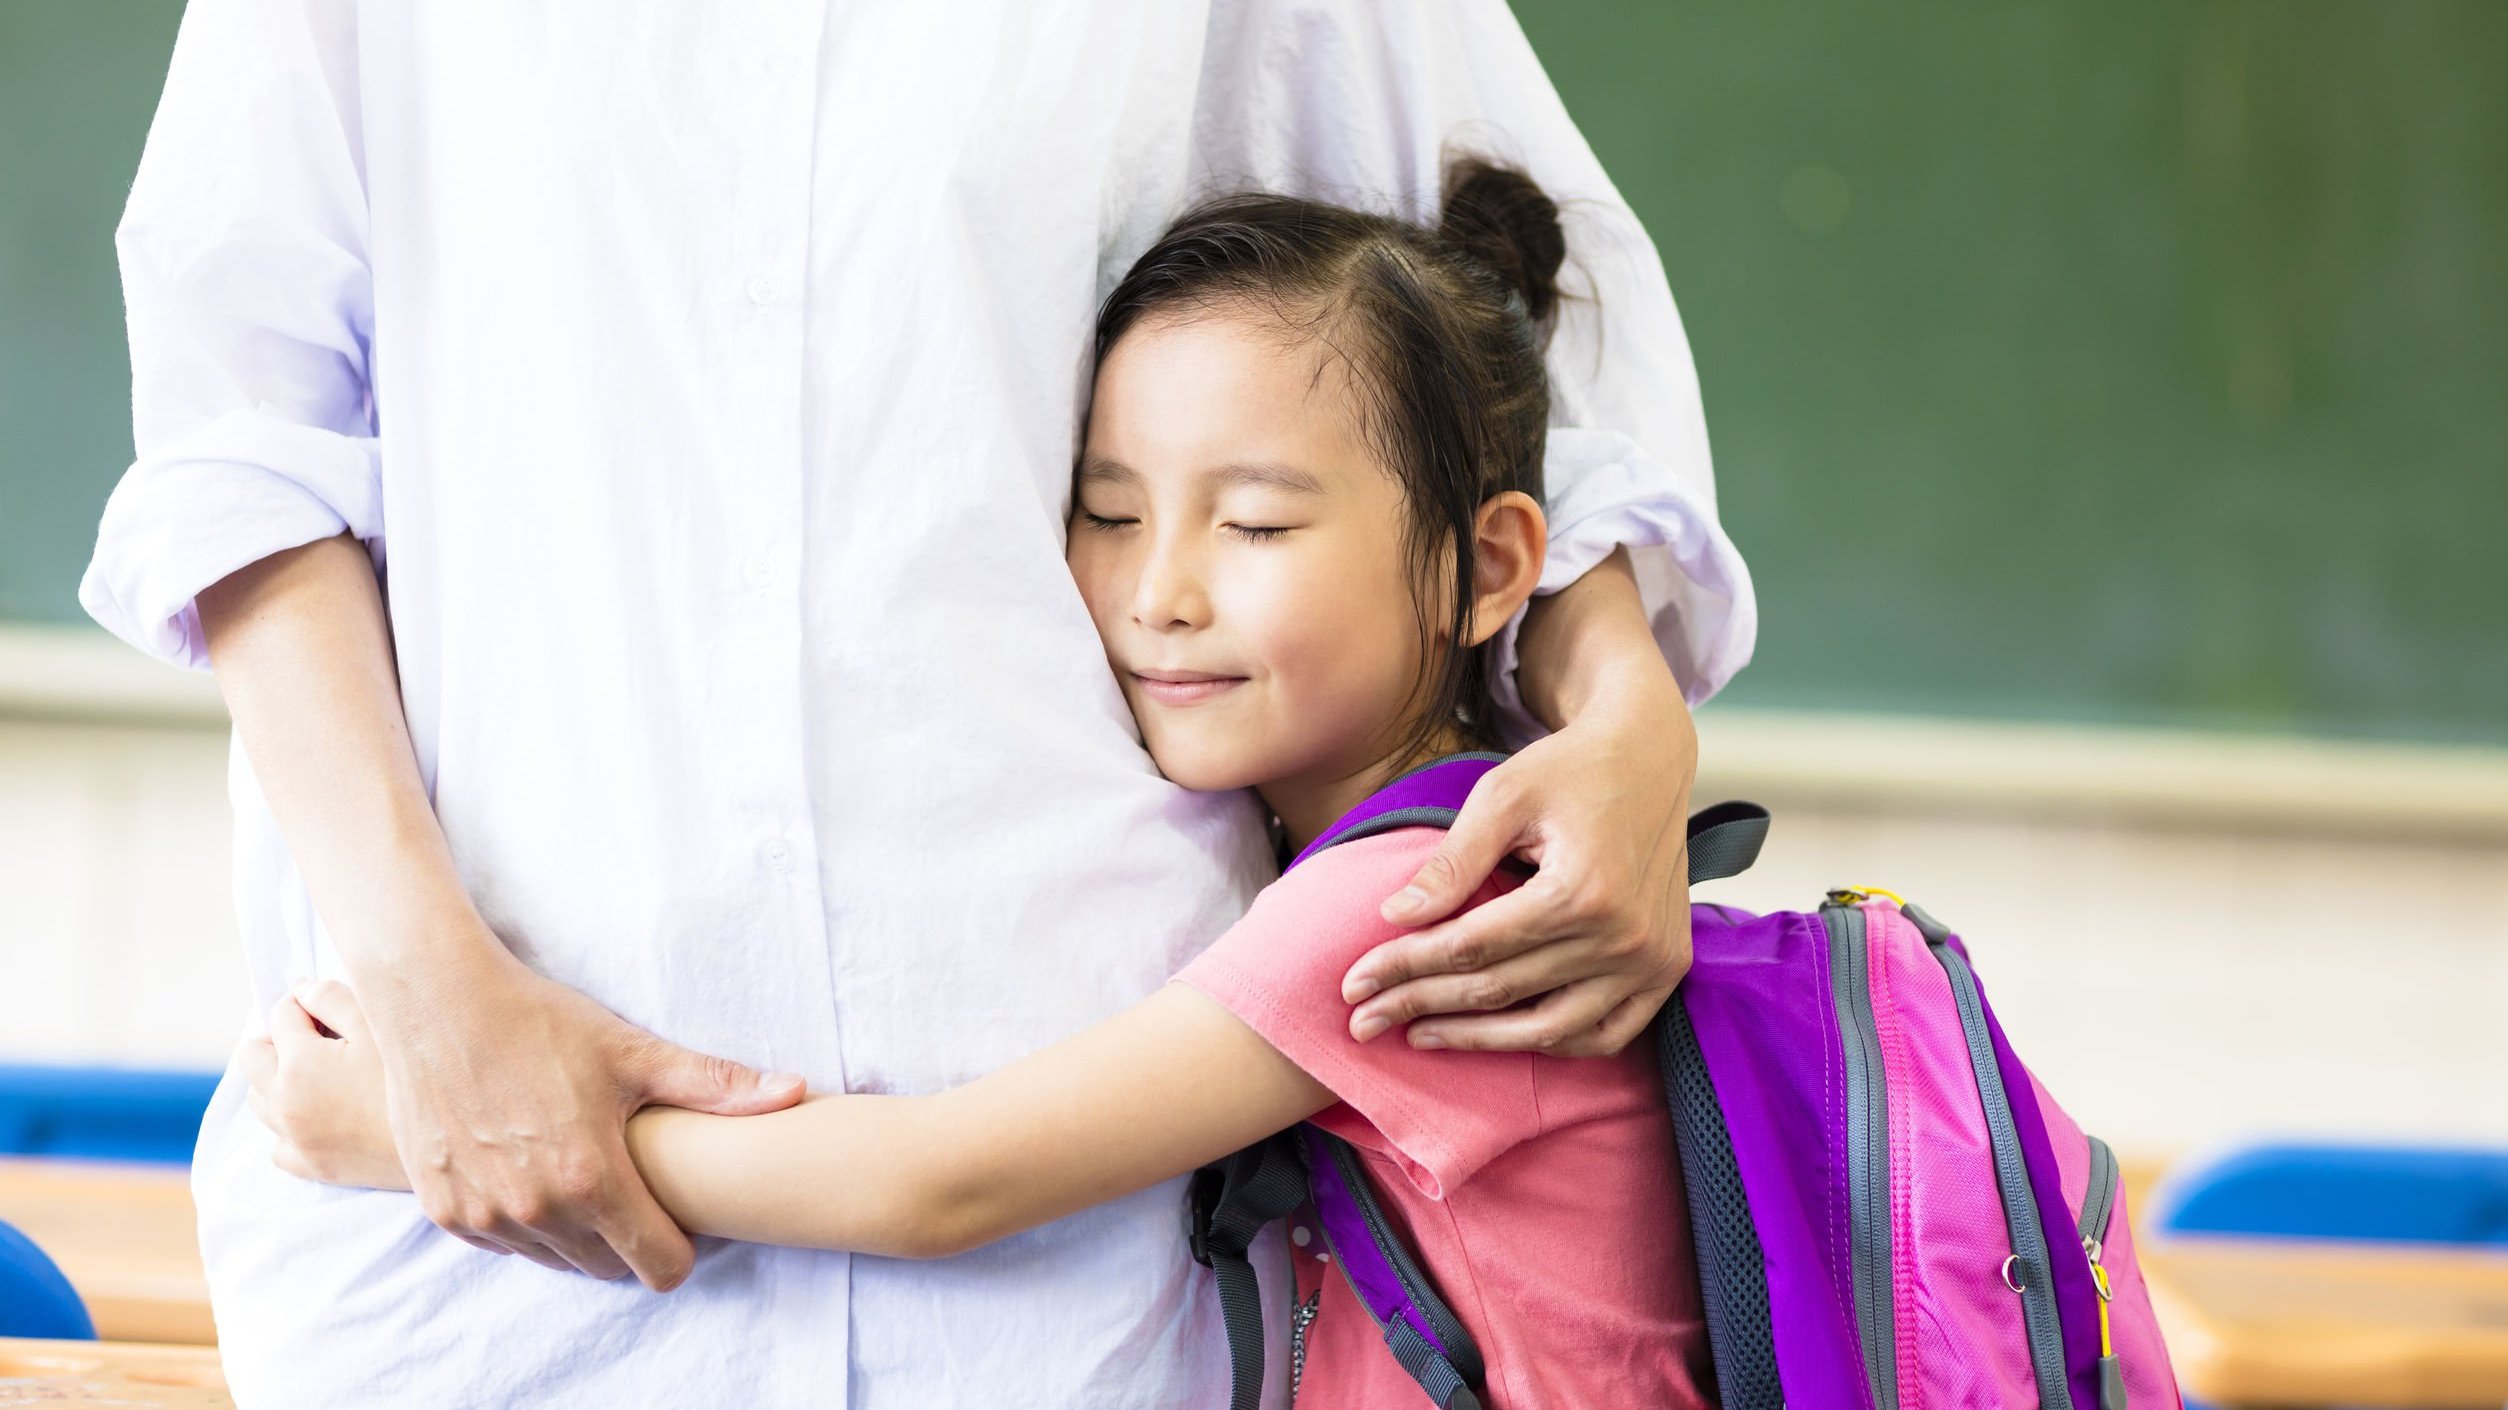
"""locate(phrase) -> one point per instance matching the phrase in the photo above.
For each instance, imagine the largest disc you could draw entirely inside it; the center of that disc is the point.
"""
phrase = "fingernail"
(1425, 1041)
(1409, 898)
(777, 1081)
(1358, 991)
(1367, 1028)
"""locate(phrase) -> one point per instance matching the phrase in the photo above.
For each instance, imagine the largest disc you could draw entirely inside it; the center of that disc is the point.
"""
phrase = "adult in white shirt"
(699, 385)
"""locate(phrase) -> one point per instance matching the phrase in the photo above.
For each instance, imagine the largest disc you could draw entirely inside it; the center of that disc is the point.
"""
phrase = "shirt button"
(761, 290)
(778, 855)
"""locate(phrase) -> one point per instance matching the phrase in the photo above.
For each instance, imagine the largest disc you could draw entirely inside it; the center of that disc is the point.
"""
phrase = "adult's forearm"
(1589, 643)
(303, 655)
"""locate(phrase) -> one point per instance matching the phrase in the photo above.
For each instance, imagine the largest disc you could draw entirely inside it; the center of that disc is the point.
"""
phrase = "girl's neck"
(1306, 805)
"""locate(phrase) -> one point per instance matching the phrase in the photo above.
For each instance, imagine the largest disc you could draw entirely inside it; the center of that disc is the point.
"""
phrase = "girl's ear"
(1509, 539)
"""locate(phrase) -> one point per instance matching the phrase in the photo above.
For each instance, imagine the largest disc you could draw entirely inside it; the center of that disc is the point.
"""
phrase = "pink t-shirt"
(1541, 1194)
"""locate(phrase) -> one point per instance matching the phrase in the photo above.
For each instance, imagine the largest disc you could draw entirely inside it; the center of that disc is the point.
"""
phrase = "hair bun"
(1503, 220)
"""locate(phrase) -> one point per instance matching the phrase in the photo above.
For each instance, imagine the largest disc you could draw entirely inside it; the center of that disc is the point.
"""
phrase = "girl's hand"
(317, 1081)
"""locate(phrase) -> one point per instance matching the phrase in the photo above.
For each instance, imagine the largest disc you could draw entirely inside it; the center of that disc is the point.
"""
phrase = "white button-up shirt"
(705, 380)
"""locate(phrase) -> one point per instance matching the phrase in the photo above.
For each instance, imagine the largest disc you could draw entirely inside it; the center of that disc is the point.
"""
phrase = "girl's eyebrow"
(1267, 473)
(1102, 470)
(1098, 470)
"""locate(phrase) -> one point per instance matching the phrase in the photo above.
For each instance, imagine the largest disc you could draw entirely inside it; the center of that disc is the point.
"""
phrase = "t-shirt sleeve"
(1443, 1114)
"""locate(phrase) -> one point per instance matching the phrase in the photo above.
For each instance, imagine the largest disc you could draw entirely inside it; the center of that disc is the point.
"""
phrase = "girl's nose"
(1168, 595)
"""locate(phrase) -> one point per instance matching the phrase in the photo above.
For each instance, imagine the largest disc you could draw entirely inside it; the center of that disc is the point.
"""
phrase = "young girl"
(1309, 495)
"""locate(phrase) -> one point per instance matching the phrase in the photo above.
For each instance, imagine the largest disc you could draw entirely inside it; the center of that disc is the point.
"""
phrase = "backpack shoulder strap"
(1723, 840)
(1428, 796)
(1235, 1198)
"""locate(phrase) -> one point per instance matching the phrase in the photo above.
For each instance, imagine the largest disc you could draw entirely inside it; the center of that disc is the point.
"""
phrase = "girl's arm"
(1168, 1085)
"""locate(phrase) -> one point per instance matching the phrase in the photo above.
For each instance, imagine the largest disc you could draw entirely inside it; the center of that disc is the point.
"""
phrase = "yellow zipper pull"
(1857, 895)
(2111, 1371)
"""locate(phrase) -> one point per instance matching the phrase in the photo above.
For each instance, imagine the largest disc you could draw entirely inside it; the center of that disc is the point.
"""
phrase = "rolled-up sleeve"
(251, 313)
(1361, 101)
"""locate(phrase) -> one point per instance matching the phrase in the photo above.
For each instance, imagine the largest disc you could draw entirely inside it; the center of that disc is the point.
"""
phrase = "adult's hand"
(1579, 958)
(509, 1096)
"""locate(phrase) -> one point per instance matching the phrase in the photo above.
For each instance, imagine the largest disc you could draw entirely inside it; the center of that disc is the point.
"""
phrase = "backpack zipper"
(2098, 1205)
(2030, 1271)
(2098, 1209)
(1867, 1145)
(1299, 1318)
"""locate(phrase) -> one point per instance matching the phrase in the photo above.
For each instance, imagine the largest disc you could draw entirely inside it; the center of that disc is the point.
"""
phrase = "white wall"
(117, 933)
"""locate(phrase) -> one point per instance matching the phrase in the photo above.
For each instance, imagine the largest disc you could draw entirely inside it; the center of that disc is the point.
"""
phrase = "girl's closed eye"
(1099, 521)
(1261, 533)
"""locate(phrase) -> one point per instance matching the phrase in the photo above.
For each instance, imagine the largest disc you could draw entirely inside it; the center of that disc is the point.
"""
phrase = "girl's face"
(1241, 550)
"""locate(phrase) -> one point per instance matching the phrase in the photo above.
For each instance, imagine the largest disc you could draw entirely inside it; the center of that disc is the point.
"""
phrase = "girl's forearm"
(1169, 1084)
(838, 1172)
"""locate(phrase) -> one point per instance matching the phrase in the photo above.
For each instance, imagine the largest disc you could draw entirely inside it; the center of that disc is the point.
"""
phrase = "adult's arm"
(1362, 101)
(247, 537)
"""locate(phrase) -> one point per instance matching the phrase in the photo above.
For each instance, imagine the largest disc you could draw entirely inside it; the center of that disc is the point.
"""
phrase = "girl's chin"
(1204, 770)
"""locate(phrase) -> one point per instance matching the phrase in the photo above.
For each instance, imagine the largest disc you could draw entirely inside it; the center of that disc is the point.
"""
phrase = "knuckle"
(655, 1264)
(1627, 943)
(1487, 992)
(1588, 1044)
(1504, 790)
(1592, 902)
(1401, 1008)
(578, 1184)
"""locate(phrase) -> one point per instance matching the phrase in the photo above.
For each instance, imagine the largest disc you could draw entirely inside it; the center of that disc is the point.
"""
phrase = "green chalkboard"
(2137, 361)
(78, 82)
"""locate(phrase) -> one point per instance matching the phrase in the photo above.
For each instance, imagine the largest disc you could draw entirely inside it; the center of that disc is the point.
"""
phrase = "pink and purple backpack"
(1889, 1211)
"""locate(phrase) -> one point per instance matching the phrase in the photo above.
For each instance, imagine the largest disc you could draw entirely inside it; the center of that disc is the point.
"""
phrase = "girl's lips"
(1186, 692)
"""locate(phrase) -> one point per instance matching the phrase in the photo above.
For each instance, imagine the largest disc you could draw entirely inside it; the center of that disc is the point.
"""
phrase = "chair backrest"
(103, 1113)
(2341, 1192)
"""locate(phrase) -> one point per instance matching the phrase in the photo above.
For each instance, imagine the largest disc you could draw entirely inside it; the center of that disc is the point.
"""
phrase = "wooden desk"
(125, 1374)
(2317, 1322)
(125, 1238)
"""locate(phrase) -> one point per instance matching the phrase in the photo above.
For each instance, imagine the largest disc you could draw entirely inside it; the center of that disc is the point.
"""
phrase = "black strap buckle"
(1201, 1203)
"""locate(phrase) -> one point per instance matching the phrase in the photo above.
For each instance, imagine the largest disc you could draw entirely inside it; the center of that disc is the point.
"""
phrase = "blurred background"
(2108, 400)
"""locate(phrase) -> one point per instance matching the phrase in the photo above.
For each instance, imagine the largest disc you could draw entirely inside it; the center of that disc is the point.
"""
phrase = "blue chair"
(2392, 1194)
(2341, 1192)
(103, 1113)
(35, 1300)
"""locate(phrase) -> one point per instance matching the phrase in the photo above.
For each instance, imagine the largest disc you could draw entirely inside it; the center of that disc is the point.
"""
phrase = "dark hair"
(1443, 331)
